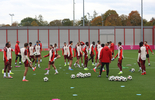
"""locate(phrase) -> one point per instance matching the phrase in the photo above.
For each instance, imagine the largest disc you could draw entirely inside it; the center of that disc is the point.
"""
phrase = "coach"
(105, 59)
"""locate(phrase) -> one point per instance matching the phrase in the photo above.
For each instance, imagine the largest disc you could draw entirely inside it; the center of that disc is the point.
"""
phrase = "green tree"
(55, 23)
(27, 21)
(67, 22)
(34, 23)
(124, 19)
(80, 23)
(113, 20)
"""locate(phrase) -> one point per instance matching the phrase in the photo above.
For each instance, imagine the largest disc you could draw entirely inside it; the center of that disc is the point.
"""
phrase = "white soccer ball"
(45, 79)
(82, 75)
(34, 53)
(89, 74)
(124, 79)
(129, 77)
(116, 78)
(78, 75)
(110, 78)
(85, 75)
(72, 76)
(119, 79)
(132, 70)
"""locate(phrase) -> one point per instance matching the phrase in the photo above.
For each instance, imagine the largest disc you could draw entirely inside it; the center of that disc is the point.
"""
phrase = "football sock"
(121, 71)
(95, 63)
(95, 67)
(38, 65)
(4, 74)
(74, 64)
(82, 64)
(56, 71)
(20, 62)
(78, 65)
(48, 71)
(55, 59)
(8, 74)
(24, 77)
(35, 64)
(40, 60)
(140, 68)
(32, 68)
(9, 71)
(65, 63)
(68, 63)
(69, 67)
(102, 68)
(148, 63)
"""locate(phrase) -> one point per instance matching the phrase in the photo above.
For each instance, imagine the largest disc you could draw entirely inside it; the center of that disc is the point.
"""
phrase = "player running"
(64, 52)
(37, 49)
(27, 62)
(30, 52)
(112, 49)
(78, 54)
(99, 50)
(120, 57)
(17, 53)
(51, 60)
(97, 47)
(91, 52)
(143, 57)
(85, 50)
(70, 54)
(147, 49)
(7, 59)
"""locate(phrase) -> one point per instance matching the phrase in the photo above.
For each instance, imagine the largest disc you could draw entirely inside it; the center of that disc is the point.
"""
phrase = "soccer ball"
(85, 75)
(132, 70)
(72, 76)
(119, 79)
(45, 79)
(35, 53)
(78, 75)
(111, 78)
(116, 78)
(124, 79)
(82, 75)
(89, 74)
(129, 77)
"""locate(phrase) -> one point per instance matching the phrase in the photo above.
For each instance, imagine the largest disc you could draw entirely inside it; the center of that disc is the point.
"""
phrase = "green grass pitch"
(92, 88)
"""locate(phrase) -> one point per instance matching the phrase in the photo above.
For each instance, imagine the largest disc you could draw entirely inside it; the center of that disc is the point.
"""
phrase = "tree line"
(109, 18)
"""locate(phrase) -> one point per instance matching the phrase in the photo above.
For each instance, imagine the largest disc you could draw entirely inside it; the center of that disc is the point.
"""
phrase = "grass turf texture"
(92, 88)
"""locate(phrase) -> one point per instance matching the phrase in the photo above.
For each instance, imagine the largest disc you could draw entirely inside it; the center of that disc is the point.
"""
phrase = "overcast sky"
(60, 9)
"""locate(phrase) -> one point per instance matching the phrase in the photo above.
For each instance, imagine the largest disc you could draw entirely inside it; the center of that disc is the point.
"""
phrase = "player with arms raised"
(120, 57)
(51, 60)
(27, 62)
(37, 49)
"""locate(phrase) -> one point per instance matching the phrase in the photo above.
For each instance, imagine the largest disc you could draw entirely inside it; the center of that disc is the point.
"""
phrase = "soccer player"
(57, 56)
(51, 60)
(147, 49)
(82, 44)
(143, 52)
(30, 52)
(91, 52)
(97, 47)
(64, 52)
(70, 54)
(17, 53)
(112, 49)
(41, 50)
(99, 50)
(78, 54)
(27, 62)
(7, 59)
(105, 59)
(85, 50)
(108, 44)
(138, 60)
(37, 49)
(120, 57)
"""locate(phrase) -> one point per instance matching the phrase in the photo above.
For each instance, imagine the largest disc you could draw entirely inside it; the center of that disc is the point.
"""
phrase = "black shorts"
(147, 56)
